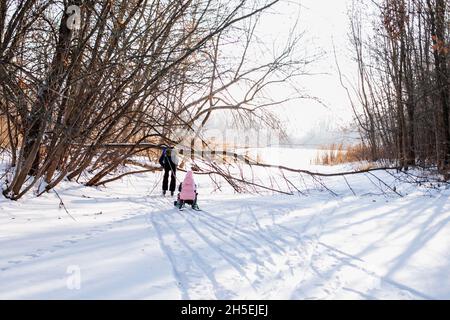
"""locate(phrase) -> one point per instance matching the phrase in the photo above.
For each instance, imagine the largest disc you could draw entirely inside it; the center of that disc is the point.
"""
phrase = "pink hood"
(188, 188)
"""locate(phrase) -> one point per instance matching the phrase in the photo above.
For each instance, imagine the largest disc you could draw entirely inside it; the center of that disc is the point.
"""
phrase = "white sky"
(325, 22)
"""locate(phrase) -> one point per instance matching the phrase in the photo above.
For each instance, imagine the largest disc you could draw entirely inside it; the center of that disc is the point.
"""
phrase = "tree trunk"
(438, 27)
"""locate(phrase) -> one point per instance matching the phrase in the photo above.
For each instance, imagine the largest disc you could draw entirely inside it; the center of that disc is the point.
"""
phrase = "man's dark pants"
(169, 166)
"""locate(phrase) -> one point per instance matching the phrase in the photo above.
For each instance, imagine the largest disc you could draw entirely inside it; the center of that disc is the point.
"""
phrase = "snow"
(128, 242)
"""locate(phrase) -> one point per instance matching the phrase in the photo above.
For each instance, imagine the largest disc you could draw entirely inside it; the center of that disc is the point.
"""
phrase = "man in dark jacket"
(169, 161)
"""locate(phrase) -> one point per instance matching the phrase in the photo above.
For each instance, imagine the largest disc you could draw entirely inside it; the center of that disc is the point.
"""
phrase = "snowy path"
(128, 245)
(214, 258)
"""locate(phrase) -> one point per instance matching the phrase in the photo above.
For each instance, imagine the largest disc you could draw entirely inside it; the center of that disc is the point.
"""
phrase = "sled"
(182, 205)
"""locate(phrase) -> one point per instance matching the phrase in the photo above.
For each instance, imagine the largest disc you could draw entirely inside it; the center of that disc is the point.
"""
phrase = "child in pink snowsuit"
(188, 192)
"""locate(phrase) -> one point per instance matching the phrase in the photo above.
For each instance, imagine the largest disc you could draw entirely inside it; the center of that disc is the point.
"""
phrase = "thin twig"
(63, 205)
(348, 184)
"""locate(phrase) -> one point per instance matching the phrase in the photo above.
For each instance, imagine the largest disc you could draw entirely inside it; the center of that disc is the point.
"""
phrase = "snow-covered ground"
(127, 242)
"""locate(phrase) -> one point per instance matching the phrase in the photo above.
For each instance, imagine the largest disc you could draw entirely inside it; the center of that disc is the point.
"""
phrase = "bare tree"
(402, 60)
(133, 74)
